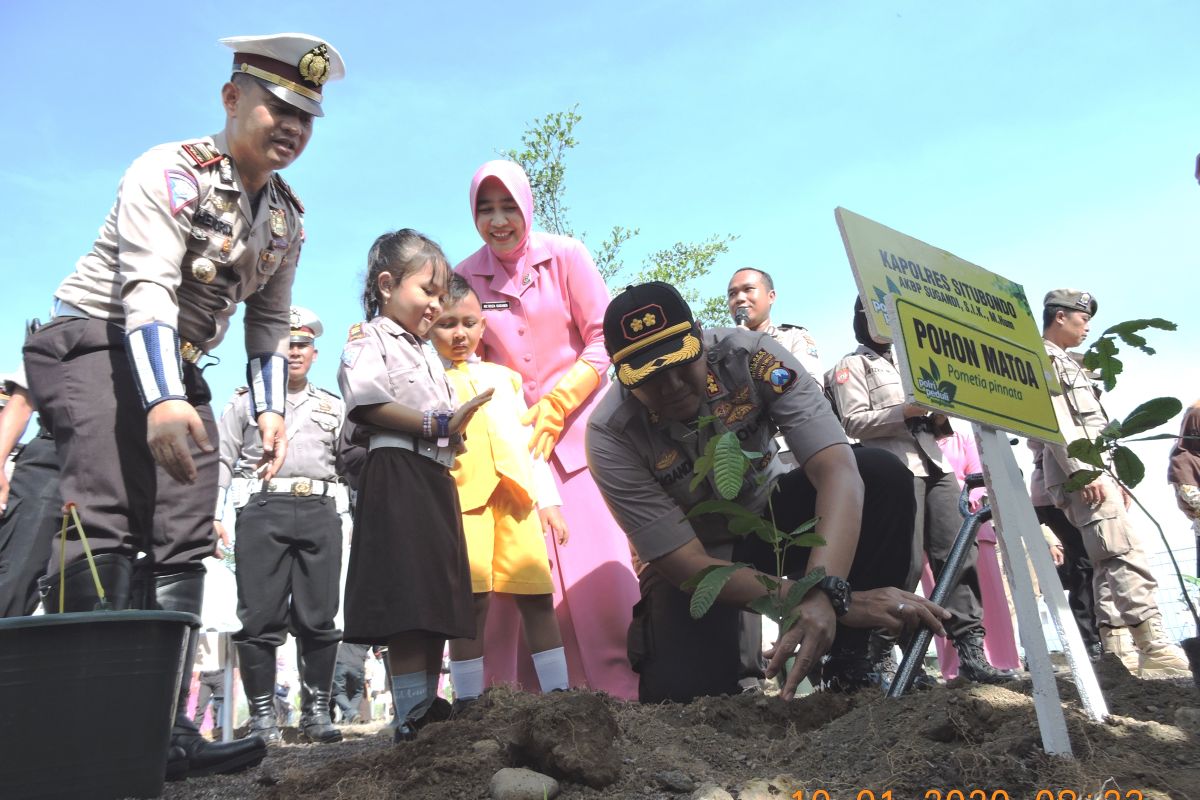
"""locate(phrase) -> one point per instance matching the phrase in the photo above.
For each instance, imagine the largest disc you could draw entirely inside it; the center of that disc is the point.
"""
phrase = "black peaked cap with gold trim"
(648, 328)
(292, 66)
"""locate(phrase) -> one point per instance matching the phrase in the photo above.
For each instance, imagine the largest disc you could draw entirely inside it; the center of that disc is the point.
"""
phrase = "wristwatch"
(839, 593)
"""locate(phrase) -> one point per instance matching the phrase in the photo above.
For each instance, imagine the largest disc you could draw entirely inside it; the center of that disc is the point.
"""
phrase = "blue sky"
(1049, 142)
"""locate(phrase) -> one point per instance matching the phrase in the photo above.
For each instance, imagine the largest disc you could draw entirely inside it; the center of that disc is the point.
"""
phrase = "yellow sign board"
(896, 272)
(959, 369)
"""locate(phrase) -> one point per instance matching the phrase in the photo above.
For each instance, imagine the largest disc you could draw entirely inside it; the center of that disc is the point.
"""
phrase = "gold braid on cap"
(678, 327)
(303, 91)
(689, 349)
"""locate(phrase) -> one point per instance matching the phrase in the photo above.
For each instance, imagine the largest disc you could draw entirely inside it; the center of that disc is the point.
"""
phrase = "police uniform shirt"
(1080, 415)
(314, 423)
(383, 363)
(870, 397)
(643, 466)
(800, 343)
(182, 245)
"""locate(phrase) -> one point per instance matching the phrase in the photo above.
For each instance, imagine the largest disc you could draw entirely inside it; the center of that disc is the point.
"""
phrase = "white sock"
(408, 691)
(467, 677)
(551, 668)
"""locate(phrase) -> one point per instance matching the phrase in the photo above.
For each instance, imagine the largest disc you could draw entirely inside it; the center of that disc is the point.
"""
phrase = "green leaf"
(1102, 356)
(1128, 466)
(768, 582)
(935, 372)
(1150, 414)
(1192, 579)
(1111, 431)
(807, 540)
(743, 526)
(706, 585)
(751, 455)
(716, 506)
(1087, 451)
(768, 606)
(805, 527)
(802, 586)
(705, 421)
(1081, 479)
(730, 466)
(1158, 436)
(701, 469)
(1128, 331)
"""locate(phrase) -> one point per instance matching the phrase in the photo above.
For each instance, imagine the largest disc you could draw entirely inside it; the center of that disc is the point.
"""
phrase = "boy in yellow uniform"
(508, 500)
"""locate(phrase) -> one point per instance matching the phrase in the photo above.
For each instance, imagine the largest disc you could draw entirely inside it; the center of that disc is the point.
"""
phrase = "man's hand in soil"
(809, 639)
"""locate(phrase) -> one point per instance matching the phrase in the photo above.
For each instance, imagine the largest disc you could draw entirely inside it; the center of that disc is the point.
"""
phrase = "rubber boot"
(79, 586)
(973, 664)
(257, 663)
(316, 679)
(1158, 656)
(1119, 642)
(190, 754)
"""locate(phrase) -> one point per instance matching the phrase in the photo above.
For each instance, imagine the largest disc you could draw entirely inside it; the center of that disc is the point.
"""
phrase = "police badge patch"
(182, 189)
(781, 378)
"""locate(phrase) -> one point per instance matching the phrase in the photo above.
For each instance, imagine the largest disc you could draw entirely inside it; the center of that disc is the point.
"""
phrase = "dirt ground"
(963, 736)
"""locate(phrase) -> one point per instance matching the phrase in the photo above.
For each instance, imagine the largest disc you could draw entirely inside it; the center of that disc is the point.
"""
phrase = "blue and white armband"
(153, 351)
(267, 374)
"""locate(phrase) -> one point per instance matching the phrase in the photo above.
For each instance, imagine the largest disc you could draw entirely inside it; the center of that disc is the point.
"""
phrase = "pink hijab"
(516, 181)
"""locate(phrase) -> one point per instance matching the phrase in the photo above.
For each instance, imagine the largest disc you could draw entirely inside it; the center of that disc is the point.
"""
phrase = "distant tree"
(543, 148)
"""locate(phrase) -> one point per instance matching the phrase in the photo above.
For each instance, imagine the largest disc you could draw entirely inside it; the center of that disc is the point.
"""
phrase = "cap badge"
(643, 321)
(204, 270)
(1085, 300)
(314, 65)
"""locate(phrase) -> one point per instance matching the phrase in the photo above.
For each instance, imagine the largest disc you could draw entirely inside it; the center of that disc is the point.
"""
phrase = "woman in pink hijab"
(543, 302)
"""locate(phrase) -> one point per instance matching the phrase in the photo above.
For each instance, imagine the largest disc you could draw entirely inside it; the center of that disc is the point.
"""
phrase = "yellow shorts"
(506, 548)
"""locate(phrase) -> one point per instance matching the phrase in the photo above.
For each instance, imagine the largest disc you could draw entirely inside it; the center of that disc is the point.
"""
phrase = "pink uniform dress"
(999, 643)
(544, 304)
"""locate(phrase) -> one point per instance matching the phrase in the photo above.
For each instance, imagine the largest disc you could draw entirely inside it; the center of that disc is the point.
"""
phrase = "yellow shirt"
(497, 442)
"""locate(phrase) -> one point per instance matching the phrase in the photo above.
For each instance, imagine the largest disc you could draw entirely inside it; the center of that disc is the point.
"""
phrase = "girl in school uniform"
(409, 581)
(544, 301)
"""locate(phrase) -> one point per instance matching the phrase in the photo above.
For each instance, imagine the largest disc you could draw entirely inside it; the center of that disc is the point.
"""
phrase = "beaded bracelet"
(427, 424)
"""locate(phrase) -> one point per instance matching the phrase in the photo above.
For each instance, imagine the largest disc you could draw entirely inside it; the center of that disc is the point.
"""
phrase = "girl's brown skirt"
(408, 558)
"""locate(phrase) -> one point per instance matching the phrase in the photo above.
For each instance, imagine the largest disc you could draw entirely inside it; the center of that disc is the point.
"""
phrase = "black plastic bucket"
(87, 702)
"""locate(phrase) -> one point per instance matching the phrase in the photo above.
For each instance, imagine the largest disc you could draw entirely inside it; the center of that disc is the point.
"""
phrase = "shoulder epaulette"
(326, 392)
(356, 332)
(287, 192)
(788, 327)
(202, 154)
(241, 390)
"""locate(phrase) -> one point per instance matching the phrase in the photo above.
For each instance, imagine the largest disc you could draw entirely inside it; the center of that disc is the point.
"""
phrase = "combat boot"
(1158, 656)
(846, 671)
(1119, 642)
(316, 677)
(973, 664)
(257, 664)
(78, 586)
(190, 754)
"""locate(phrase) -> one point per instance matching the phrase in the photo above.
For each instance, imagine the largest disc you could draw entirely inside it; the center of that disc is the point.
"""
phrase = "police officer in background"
(1124, 586)
(198, 226)
(643, 441)
(30, 505)
(751, 295)
(866, 389)
(288, 541)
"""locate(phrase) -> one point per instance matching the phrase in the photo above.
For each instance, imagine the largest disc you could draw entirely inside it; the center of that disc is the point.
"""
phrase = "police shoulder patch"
(202, 154)
(182, 189)
(761, 363)
(781, 378)
(287, 192)
(842, 375)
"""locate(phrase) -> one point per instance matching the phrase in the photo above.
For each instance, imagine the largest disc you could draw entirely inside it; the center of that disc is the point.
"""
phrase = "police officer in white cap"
(289, 541)
(198, 226)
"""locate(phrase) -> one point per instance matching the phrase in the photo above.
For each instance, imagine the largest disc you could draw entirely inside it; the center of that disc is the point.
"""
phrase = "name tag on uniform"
(499, 304)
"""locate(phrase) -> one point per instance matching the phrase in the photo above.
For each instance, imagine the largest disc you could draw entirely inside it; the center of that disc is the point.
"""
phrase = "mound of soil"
(963, 736)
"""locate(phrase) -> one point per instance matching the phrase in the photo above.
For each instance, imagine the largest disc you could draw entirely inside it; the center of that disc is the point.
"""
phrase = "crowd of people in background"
(516, 452)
